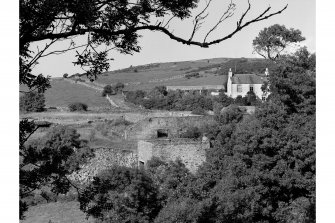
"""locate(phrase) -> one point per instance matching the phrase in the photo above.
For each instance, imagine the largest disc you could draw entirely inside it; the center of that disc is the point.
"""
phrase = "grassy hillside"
(56, 212)
(62, 93)
(211, 71)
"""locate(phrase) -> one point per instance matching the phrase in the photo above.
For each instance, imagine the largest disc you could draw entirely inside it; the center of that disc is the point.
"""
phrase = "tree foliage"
(48, 160)
(272, 41)
(77, 106)
(108, 90)
(121, 194)
(119, 87)
(32, 102)
(262, 167)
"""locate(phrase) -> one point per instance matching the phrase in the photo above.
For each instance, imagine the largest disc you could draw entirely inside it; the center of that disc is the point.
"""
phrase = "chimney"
(230, 73)
(266, 72)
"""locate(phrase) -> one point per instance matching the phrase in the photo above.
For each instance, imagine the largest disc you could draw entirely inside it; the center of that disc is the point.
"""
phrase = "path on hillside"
(111, 102)
(114, 101)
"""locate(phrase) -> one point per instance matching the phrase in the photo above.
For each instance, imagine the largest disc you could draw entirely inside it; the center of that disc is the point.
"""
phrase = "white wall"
(245, 88)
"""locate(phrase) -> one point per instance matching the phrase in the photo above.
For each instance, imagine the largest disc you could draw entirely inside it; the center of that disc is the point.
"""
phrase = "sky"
(157, 47)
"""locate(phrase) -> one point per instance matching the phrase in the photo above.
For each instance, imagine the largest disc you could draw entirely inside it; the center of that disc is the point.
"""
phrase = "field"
(62, 93)
(56, 212)
(148, 76)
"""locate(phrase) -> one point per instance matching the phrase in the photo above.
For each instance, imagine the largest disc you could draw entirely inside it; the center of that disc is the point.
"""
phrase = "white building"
(241, 84)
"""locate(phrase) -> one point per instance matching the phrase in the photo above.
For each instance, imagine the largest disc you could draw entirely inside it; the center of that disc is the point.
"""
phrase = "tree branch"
(162, 29)
(199, 18)
(228, 13)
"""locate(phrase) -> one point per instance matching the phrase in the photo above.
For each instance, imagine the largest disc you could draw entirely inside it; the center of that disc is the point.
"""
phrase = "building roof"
(248, 79)
(200, 87)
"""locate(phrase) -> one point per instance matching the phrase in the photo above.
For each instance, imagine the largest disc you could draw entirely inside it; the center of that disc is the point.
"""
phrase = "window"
(162, 133)
(239, 88)
(251, 88)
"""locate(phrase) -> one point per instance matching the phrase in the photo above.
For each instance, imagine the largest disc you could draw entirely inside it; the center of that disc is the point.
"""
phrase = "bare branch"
(197, 20)
(167, 23)
(227, 14)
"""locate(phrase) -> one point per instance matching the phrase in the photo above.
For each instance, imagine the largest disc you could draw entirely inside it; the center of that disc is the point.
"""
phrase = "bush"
(65, 75)
(77, 106)
(32, 102)
(119, 87)
(108, 90)
(199, 111)
(195, 75)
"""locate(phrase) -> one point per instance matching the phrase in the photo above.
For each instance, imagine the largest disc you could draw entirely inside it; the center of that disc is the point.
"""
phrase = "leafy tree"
(224, 100)
(250, 99)
(121, 194)
(170, 177)
(271, 41)
(294, 82)
(119, 86)
(48, 160)
(65, 75)
(32, 102)
(262, 168)
(108, 90)
(77, 106)
(239, 100)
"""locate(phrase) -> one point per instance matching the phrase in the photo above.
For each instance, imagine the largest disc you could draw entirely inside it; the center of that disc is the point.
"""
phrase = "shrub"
(108, 90)
(77, 106)
(199, 111)
(195, 75)
(119, 87)
(65, 75)
(32, 102)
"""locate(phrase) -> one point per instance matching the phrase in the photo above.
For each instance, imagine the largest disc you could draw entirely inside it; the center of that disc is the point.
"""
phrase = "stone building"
(164, 127)
(191, 152)
(161, 137)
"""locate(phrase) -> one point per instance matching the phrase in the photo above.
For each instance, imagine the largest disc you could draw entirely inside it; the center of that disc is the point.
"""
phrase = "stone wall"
(139, 116)
(191, 152)
(104, 159)
(147, 128)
